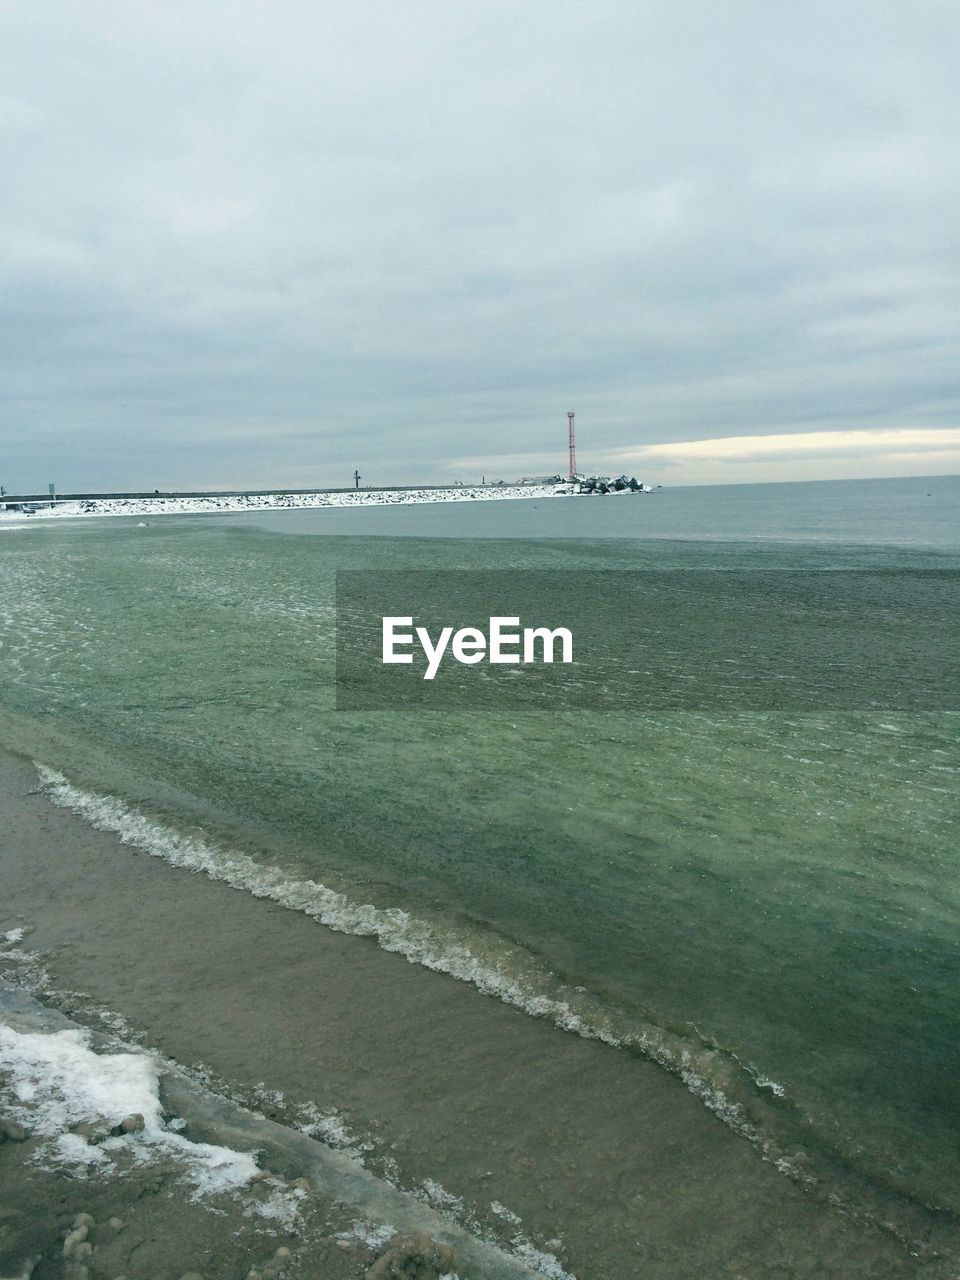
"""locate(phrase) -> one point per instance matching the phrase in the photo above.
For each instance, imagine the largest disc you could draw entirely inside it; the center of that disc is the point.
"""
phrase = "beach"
(617, 995)
(605, 1153)
(479, 642)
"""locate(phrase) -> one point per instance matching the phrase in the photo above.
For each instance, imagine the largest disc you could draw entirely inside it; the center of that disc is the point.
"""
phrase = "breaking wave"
(493, 966)
(754, 1106)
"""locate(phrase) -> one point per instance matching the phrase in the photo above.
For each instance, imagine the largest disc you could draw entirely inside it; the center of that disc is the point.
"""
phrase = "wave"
(756, 1107)
(505, 971)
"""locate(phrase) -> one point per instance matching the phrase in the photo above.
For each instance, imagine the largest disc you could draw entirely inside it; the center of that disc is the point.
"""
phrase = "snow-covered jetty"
(161, 505)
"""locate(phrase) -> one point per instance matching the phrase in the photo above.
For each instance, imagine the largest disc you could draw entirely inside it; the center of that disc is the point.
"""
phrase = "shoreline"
(599, 1153)
(158, 1176)
(227, 504)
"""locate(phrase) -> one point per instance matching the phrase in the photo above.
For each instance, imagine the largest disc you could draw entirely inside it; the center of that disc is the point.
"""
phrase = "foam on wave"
(717, 1078)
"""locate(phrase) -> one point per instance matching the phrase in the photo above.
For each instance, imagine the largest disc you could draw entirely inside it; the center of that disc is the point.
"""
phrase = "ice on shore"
(226, 503)
(507, 975)
(60, 1083)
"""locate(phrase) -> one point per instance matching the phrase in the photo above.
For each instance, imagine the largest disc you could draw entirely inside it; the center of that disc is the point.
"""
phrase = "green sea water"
(766, 903)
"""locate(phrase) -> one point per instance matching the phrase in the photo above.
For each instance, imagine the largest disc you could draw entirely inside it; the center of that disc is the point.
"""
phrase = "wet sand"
(264, 1201)
(609, 1162)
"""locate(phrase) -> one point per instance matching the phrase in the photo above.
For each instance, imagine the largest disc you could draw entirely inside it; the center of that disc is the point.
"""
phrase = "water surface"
(765, 903)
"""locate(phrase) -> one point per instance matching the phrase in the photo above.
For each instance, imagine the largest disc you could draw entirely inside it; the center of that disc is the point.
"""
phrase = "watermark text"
(503, 643)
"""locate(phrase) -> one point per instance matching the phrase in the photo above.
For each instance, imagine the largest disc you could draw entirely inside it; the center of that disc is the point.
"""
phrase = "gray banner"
(641, 641)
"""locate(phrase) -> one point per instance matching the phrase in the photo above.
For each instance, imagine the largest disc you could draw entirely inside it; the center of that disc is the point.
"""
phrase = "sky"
(264, 244)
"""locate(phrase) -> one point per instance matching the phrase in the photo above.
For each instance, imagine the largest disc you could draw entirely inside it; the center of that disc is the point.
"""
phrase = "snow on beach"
(226, 503)
(88, 1131)
(60, 1084)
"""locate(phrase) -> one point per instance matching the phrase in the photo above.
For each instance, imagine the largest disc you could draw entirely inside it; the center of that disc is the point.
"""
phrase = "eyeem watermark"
(503, 643)
(641, 642)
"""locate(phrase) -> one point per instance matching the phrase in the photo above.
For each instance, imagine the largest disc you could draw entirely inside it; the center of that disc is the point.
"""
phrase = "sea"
(765, 903)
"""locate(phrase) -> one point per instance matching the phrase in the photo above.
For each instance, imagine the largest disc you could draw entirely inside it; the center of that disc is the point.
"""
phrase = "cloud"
(847, 453)
(806, 444)
(277, 242)
(799, 455)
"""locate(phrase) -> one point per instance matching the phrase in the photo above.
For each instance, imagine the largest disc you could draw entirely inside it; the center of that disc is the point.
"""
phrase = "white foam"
(764, 1083)
(438, 1196)
(14, 935)
(332, 1129)
(395, 930)
(706, 1071)
(59, 1082)
(374, 1236)
(503, 1212)
(546, 1263)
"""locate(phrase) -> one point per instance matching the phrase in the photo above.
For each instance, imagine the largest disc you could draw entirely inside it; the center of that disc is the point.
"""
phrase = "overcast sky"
(263, 244)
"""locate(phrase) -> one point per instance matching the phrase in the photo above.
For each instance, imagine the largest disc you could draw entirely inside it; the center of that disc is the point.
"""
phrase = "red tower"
(573, 447)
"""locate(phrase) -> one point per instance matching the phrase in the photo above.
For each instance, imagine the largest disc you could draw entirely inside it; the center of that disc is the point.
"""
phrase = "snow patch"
(282, 1207)
(375, 1237)
(59, 1082)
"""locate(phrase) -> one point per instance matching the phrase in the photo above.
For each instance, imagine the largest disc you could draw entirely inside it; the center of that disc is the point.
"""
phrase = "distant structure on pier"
(573, 447)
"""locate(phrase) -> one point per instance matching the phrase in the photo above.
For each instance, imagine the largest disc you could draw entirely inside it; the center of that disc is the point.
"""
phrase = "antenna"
(573, 447)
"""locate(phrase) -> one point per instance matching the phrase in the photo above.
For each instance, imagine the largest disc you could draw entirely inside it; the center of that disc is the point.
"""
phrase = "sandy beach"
(413, 866)
(594, 1163)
